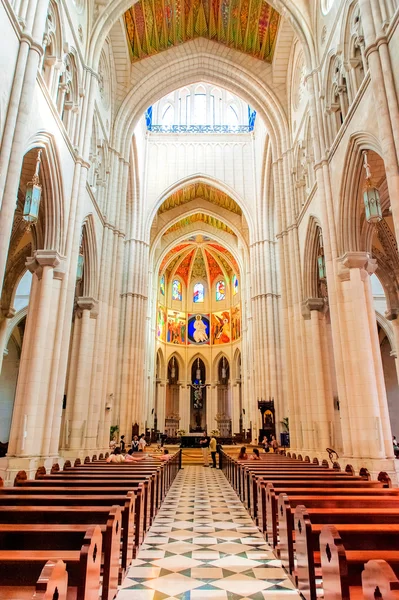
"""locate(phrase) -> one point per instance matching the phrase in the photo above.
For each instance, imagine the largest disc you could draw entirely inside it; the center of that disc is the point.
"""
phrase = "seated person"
(116, 456)
(243, 454)
(254, 442)
(255, 454)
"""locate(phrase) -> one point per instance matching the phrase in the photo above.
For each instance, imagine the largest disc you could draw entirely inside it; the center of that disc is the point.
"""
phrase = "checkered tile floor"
(204, 546)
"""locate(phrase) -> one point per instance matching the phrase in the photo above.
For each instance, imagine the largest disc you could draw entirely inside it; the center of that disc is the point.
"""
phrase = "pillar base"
(10, 465)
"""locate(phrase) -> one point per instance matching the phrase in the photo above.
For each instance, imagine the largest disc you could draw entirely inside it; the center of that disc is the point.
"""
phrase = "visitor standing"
(213, 450)
(204, 443)
(142, 443)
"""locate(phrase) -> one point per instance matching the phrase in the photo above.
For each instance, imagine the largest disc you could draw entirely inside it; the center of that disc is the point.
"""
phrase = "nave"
(203, 545)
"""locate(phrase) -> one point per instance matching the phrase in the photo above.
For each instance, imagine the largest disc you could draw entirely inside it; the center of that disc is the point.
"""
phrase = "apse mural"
(221, 331)
(220, 290)
(176, 290)
(176, 327)
(161, 324)
(162, 285)
(198, 329)
(236, 322)
(157, 25)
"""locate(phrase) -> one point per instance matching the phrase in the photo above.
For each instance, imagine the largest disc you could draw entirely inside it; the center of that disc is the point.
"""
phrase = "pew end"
(53, 582)
(333, 565)
(55, 468)
(315, 461)
(349, 469)
(307, 459)
(379, 581)
(365, 473)
(336, 466)
(40, 472)
(384, 478)
(305, 566)
(324, 463)
(20, 477)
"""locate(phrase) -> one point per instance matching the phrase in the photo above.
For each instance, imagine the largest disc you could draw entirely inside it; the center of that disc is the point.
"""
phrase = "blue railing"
(199, 129)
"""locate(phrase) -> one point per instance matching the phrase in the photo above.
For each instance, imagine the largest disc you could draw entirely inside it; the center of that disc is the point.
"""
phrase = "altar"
(191, 440)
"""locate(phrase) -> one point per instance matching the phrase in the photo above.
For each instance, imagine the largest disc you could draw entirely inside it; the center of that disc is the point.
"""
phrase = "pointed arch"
(312, 243)
(216, 361)
(90, 283)
(52, 191)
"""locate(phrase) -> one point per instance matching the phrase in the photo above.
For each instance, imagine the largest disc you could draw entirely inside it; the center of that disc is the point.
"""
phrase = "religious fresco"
(200, 190)
(184, 267)
(221, 330)
(236, 322)
(176, 250)
(250, 27)
(176, 327)
(161, 324)
(213, 266)
(199, 218)
(198, 329)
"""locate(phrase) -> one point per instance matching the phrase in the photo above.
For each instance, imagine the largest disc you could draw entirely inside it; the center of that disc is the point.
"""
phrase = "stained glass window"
(162, 285)
(176, 290)
(220, 290)
(235, 285)
(198, 292)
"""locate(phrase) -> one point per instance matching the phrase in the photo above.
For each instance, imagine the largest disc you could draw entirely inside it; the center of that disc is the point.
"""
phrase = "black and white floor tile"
(204, 546)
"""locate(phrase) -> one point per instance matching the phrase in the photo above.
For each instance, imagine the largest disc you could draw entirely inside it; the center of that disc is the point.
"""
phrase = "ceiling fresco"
(201, 259)
(200, 190)
(199, 217)
(250, 26)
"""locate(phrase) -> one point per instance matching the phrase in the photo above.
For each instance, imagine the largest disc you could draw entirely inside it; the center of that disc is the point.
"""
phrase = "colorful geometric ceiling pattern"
(199, 217)
(200, 190)
(247, 25)
(199, 260)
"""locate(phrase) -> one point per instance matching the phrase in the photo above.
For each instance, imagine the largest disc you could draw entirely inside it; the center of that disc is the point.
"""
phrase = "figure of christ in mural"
(200, 334)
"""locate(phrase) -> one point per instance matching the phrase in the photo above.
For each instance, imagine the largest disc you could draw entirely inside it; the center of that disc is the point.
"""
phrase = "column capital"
(392, 314)
(356, 260)
(87, 303)
(7, 312)
(46, 258)
(311, 304)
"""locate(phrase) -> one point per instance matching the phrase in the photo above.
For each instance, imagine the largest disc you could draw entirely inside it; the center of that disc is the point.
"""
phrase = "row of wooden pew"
(71, 534)
(337, 534)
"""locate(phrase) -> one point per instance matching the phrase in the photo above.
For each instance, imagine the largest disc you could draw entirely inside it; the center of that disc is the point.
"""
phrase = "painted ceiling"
(196, 218)
(200, 259)
(250, 26)
(200, 190)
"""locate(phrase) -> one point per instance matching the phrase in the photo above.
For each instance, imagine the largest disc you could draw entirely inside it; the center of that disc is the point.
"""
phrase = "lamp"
(198, 371)
(173, 370)
(224, 372)
(32, 196)
(371, 196)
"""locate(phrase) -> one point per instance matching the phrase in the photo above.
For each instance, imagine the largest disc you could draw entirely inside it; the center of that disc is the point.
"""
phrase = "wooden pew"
(70, 537)
(287, 504)
(21, 568)
(269, 520)
(360, 536)
(342, 569)
(52, 583)
(379, 581)
(97, 486)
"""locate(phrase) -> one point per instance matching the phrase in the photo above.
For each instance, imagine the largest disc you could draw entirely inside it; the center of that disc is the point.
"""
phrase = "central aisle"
(203, 545)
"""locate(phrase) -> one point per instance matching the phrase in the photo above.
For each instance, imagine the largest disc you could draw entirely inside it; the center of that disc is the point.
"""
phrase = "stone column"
(211, 406)
(84, 356)
(184, 404)
(367, 410)
(392, 316)
(314, 311)
(161, 404)
(31, 401)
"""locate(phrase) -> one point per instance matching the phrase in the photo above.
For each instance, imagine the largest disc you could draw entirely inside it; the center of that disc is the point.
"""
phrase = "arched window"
(235, 285)
(220, 290)
(176, 290)
(162, 285)
(198, 293)
(168, 116)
